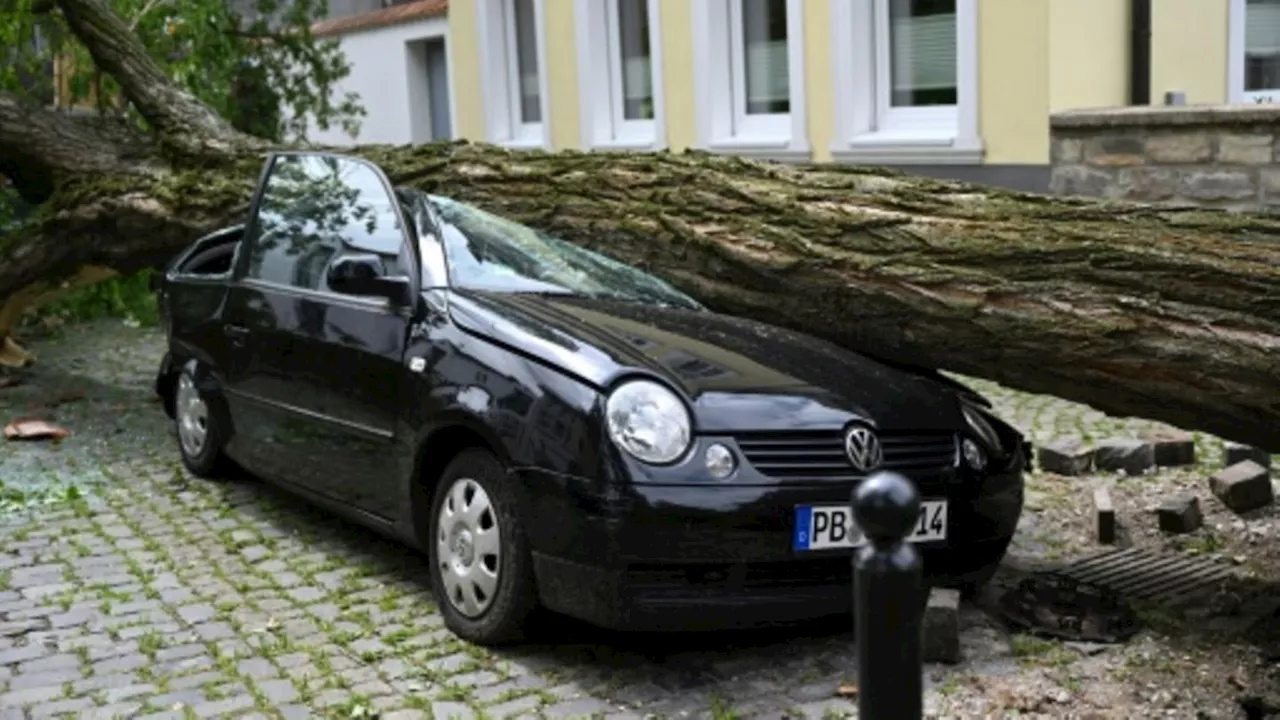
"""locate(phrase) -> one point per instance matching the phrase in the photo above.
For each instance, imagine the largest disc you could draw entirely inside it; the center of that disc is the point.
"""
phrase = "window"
(513, 58)
(1254, 66)
(906, 81)
(620, 92)
(314, 208)
(749, 77)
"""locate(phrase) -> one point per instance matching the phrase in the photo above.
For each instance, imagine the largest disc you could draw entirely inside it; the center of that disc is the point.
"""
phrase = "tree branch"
(37, 145)
(182, 121)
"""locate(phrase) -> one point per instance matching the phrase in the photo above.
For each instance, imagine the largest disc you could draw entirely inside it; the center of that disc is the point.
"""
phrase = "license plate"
(825, 527)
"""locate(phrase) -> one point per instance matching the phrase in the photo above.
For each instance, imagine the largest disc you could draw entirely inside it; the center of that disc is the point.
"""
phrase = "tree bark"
(1167, 313)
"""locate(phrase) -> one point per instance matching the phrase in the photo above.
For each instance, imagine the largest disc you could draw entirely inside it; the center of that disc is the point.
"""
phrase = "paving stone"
(1237, 453)
(112, 712)
(1180, 515)
(1070, 457)
(576, 708)
(451, 711)
(1171, 448)
(1243, 486)
(223, 707)
(528, 704)
(405, 715)
(1128, 455)
(55, 708)
(49, 662)
(1104, 516)
(23, 653)
(278, 691)
(941, 627)
(30, 694)
(195, 614)
(119, 694)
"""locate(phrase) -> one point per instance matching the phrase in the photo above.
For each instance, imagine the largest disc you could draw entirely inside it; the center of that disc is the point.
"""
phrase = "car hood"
(738, 374)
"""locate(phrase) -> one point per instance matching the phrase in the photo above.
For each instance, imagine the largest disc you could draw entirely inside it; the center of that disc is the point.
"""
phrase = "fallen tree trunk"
(1169, 314)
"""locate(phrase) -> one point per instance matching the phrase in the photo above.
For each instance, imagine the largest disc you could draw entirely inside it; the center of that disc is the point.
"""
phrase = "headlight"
(648, 421)
(981, 427)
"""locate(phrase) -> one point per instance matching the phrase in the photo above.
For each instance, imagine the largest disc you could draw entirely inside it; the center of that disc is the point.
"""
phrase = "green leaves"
(253, 61)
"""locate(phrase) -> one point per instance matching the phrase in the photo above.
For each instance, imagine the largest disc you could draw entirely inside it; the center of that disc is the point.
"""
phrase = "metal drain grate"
(1152, 575)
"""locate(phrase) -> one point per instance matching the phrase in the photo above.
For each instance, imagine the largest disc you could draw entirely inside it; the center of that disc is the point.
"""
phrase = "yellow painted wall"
(818, 69)
(1189, 49)
(558, 27)
(464, 66)
(677, 73)
(1013, 80)
(1088, 53)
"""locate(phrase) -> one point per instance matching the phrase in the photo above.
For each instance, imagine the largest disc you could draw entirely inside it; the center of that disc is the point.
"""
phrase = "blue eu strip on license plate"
(825, 527)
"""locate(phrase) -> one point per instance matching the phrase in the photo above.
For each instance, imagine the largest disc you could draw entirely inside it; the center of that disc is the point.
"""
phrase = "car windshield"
(488, 252)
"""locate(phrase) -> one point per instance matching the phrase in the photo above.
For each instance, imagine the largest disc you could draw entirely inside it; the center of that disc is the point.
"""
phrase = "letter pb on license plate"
(824, 527)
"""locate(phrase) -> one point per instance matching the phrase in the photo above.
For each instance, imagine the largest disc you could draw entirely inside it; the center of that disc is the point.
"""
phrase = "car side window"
(316, 209)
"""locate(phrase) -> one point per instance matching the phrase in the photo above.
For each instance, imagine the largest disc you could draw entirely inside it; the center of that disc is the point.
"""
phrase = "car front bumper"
(684, 557)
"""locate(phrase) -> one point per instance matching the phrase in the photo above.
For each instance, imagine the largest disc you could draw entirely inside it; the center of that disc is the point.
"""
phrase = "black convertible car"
(555, 429)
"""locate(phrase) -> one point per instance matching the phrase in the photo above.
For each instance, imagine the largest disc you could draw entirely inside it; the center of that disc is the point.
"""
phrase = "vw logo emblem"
(863, 449)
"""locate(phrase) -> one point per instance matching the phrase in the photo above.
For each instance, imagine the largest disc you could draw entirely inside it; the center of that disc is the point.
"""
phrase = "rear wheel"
(481, 569)
(199, 435)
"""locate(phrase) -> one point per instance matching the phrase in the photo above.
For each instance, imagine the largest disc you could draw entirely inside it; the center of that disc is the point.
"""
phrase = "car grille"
(821, 454)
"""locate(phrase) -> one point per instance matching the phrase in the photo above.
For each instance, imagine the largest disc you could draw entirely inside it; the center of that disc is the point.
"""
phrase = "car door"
(317, 374)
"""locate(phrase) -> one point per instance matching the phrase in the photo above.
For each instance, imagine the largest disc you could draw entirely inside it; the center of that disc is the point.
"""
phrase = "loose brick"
(1104, 512)
(1065, 457)
(1243, 487)
(1133, 457)
(1237, 453)
(1172, 448)
(940, 627)
(1180, 515)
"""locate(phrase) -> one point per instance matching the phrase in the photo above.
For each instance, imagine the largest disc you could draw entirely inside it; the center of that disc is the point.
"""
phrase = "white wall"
(389, 73)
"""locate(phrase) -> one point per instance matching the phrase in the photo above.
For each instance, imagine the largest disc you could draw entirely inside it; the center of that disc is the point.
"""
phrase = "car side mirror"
(365, 275)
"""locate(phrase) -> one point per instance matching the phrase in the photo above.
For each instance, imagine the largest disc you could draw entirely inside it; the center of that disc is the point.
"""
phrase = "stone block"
(940, 627)
(1253, 149)
(1068, 150)
(1218, 184)
(1147, 183)
(1243, 487)
(1130, 455)
(1065, 457)
(1180, 515)
(1115, 150)
(1080, 180)
(1180, 147)
(1172, 448)
(1238, 453)
(1104, 511)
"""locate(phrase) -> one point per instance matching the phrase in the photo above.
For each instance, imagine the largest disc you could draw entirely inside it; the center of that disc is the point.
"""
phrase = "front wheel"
(481, 569)
(199, 435)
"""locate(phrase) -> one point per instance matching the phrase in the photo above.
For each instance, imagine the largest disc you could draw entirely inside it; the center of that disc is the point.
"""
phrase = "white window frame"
(500, 77)
(867, 128)
(1235, 60)
(600, 71)
(718, 86)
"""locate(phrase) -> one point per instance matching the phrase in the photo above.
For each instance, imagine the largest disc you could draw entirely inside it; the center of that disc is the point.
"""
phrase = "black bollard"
(888, 589)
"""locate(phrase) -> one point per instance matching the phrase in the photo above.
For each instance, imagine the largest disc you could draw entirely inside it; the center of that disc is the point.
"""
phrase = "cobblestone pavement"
(128, 589)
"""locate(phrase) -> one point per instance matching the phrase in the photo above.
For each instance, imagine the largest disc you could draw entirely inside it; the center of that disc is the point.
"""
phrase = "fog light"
(720, 461)
(973, 454)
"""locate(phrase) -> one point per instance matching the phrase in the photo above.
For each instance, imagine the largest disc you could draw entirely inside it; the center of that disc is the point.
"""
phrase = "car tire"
(481, 567)
(199, 435)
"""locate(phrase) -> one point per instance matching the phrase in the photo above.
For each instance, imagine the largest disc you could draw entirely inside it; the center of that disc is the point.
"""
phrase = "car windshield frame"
(490, 253)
